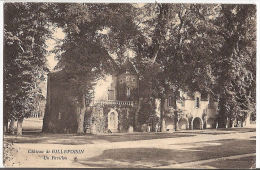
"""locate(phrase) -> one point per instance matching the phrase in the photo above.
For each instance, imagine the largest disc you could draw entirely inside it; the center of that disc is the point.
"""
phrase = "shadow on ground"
(240, 163)
(219, 131)
(155, 157)
(73, 139)
(35, 136)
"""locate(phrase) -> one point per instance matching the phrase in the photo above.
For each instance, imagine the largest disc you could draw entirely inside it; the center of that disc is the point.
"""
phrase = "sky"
(58, 34)
(102, 85)
(101, 88)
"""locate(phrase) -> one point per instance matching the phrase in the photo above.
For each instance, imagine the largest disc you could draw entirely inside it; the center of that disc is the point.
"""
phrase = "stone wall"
(60, 112)
(97, 119)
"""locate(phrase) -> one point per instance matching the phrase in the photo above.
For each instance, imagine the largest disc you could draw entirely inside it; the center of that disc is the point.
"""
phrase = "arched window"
(197, 104)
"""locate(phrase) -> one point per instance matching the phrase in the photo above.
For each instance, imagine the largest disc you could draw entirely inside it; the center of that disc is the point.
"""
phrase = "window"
(111, 95)
(133, 79)
(128, 92)
(197, 105)
(170, 101)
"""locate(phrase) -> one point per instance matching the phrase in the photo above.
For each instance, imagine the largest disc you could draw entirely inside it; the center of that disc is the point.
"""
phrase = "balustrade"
(110, 102)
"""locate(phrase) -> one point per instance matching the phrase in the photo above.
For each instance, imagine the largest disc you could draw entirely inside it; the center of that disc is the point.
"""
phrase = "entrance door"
(197, 123)
(113, 121)
(183, 124)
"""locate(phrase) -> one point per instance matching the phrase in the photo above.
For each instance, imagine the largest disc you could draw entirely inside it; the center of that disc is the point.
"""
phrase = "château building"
(115, 109)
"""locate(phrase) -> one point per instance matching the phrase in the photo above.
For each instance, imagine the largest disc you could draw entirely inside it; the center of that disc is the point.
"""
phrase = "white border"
(135, 1)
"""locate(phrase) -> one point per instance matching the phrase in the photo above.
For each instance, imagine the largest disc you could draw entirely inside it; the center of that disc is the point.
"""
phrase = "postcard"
(129, 85)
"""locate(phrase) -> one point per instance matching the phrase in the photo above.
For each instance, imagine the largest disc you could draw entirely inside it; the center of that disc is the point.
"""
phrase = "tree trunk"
(222, 118)
(5, 128)
(231, 123)
(81, 115)
(19, 127)
(175, 110)
(11, 127)
(162, 121)
(5, 122)
(136, 114)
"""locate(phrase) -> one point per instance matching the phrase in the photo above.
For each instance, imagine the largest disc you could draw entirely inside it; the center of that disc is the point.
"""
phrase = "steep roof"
(128, 66)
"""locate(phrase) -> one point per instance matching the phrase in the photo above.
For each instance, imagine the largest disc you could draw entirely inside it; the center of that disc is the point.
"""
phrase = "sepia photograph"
(129, 85)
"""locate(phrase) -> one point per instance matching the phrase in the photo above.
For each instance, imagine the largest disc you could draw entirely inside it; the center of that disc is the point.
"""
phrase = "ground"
(210, 148)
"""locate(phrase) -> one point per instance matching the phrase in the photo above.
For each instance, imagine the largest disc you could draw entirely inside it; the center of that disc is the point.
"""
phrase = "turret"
(127, 82)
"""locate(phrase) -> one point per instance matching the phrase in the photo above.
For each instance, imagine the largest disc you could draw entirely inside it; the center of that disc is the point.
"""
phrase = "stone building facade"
(192, 111)
(115, 110)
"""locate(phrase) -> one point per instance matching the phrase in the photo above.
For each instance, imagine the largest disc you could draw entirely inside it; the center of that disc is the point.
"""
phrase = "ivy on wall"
(96, 118)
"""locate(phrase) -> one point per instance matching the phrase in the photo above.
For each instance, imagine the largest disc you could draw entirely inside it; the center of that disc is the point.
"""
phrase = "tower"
(127, 82)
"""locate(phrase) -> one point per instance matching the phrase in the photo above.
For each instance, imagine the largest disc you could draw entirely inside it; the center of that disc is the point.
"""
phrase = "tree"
(93, 33)
(201, 47)
(25, 32)
(235, 66)
(173, 48)
(187, 46)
